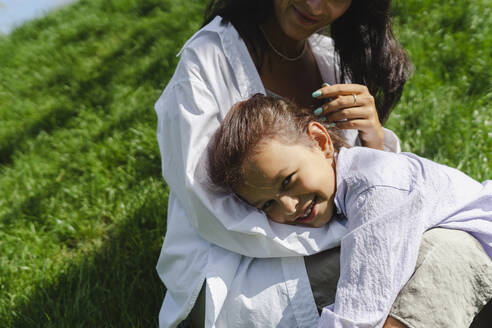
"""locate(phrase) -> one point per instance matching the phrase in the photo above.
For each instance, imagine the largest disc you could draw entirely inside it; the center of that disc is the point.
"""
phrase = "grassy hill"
(82, 201)
(83, 204)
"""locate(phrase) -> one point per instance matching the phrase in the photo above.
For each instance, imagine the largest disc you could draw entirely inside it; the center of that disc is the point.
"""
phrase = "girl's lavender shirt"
(389, 201)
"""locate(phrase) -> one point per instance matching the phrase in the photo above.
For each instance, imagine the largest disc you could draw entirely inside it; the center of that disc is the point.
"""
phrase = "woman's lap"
(451, 283)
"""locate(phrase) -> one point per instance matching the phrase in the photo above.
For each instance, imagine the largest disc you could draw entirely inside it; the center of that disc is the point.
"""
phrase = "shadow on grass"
(149, 166)
(115, 287)
(56, 117)
(89, 92)
(93, 93)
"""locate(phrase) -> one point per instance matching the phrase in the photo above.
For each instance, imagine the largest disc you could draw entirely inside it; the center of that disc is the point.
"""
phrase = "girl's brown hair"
(251, 121)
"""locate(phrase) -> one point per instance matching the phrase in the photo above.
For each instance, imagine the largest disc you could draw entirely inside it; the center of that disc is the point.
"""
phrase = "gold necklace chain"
(281, 54)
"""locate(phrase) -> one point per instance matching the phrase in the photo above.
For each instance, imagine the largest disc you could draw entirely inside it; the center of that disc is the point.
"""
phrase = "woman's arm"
(189, 111)
(188, 115)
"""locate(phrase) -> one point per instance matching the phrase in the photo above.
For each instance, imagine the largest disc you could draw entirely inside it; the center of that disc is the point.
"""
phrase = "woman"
(214, 241)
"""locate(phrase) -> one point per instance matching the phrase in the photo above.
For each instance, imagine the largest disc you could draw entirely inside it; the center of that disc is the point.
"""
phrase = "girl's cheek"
(309, 184)
(274, 215)
(276, 219)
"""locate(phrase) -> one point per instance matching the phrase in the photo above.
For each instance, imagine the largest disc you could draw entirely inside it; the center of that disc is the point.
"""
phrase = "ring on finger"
(355, 98)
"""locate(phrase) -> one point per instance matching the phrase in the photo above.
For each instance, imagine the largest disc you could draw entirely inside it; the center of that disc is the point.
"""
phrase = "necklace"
(281, 54)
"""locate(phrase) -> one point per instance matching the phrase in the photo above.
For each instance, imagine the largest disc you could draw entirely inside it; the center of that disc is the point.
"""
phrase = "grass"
(82, 201)
(446, 109)
(82, 206)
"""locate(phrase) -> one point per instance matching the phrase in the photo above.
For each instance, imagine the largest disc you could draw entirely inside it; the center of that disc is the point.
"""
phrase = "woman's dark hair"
(246, 16)
(364, 42)
(247, 124)
(369, 53)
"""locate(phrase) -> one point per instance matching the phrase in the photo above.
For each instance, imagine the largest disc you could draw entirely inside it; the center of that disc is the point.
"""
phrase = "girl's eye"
(286, 181)
(267, 204)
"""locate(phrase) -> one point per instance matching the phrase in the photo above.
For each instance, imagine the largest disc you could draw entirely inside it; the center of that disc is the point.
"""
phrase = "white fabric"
(214, 72)
(389, 200)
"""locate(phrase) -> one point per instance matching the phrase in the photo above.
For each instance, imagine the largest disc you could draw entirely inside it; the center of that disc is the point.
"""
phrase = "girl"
(297, 171)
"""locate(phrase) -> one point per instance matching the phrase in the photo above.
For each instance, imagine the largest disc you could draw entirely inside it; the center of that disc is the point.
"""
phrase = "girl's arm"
(378, 256)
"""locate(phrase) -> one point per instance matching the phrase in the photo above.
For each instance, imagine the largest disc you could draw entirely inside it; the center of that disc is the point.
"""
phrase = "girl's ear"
(317, 132)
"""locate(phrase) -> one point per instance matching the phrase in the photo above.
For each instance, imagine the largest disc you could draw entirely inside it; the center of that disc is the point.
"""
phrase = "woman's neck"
(294, 80)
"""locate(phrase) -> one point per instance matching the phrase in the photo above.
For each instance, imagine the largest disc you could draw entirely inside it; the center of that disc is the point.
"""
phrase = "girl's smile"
(310, 213)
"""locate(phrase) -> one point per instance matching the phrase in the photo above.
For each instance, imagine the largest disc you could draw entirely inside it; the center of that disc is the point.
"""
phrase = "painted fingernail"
(316, 93)
(318, 111)
(322, 119)
(332, 124)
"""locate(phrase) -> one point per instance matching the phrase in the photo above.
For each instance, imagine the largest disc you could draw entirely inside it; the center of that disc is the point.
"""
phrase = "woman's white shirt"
(207, 231)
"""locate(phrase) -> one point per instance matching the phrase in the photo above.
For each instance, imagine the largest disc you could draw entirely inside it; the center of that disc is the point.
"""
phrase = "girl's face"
(292, 183)
(301, 18)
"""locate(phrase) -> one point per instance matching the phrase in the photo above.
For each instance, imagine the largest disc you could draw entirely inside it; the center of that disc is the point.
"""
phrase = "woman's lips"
(305, 18)
(312, 213)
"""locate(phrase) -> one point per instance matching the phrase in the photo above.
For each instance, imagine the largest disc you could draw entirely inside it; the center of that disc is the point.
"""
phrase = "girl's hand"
(393, 323)
(351, 106)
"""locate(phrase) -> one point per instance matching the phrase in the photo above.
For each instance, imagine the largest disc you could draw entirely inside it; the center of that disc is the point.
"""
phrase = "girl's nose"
(289, 203)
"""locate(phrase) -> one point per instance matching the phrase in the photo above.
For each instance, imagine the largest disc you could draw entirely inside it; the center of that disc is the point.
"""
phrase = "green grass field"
(82, 201)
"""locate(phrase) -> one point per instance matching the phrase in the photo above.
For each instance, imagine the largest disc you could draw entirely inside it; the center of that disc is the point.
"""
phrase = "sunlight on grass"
(445, 112)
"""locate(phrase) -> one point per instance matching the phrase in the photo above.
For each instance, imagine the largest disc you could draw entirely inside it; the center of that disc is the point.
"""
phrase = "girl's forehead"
(271, 162)
(268, 156)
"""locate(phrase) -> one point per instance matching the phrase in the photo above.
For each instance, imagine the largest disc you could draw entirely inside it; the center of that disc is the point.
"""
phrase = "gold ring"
(355, 98)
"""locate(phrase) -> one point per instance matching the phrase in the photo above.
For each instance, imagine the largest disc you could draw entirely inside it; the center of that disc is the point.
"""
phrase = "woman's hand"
(351, 106)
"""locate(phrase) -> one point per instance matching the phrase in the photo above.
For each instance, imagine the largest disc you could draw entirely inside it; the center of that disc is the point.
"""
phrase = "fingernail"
(332, 124)
(316, 93)
(318, 111)
(322, 119)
